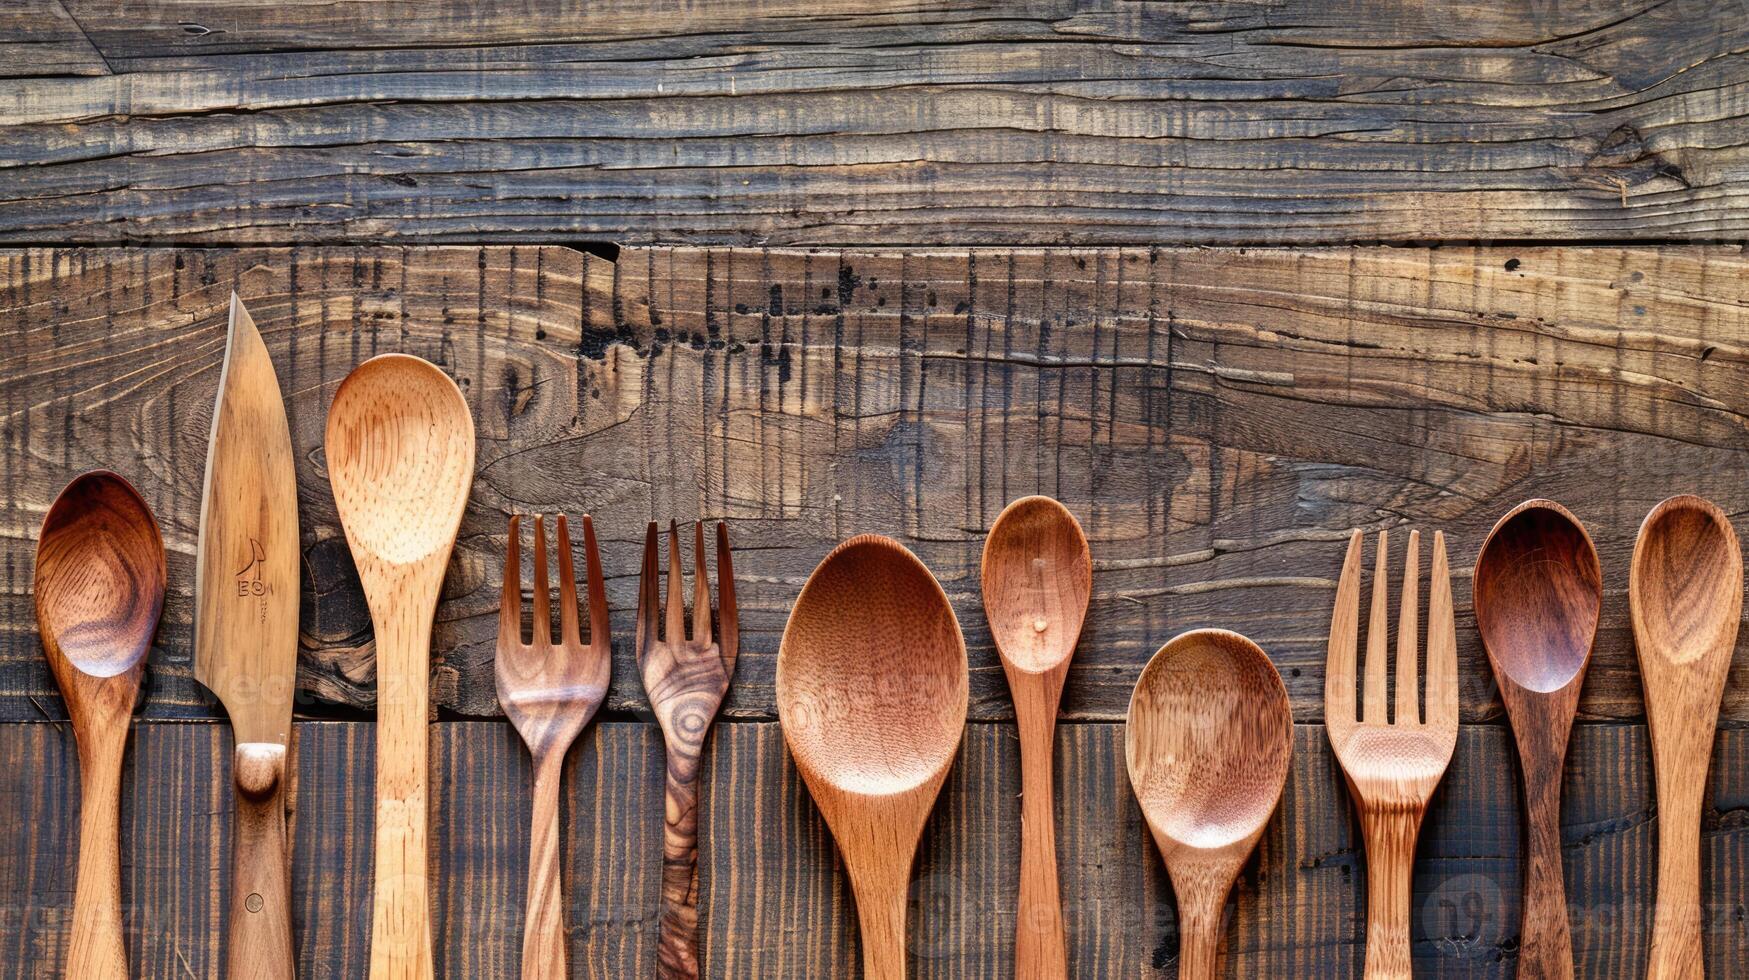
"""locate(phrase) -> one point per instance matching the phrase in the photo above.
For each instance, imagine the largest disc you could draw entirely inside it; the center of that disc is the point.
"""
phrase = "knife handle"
(261, 930)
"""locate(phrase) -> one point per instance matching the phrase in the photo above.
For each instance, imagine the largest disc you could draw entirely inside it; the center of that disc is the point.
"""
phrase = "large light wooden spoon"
(1685, 592)
(1037, 578)
(1208, 743)
(871, 694)
(99, 590)
(1537, 591)
(400, 447)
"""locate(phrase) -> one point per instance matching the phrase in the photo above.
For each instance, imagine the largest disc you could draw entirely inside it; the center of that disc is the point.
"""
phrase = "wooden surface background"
(1218, 419)
(777, 263)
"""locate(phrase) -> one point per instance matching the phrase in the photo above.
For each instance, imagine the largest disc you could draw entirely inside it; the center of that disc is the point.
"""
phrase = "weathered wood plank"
(773, 895)
(855, 122)
(1217, 419)
(39, 38)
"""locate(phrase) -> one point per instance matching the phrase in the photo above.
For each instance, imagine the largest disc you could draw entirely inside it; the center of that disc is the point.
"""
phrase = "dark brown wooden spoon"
(99, 591)
(1538, 590)
(1685, 592)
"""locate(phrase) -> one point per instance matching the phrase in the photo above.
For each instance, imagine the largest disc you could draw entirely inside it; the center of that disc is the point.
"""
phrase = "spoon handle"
(1390, 859)
(261, 932)
(1681, 754)
(97, 950)
(543, 934)
(1039, 945)
(400, 934)
(880, 911)
(1200, 910)
(1547, 951)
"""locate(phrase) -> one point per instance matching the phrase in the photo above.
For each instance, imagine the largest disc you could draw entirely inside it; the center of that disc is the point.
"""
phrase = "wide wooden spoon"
(400, 447)
(1685, 592)
(99, 591)
(871, 695)
(1538, 590)
(1208, 743)
(1037, 578)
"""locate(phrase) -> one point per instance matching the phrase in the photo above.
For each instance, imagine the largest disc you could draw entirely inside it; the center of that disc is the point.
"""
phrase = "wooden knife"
(246, 635)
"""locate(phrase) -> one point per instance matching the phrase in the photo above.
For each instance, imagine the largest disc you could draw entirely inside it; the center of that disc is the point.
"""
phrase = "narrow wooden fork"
(550, 691)
(1392, 765)
(686, 681)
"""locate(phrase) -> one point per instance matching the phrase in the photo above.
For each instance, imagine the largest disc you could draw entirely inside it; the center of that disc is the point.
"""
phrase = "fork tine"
(730, 644)
(1442, 692)
(647, 594)
(599, 633)
(543, 615)
(1344, 629)
(701, 588)
(510, 601)
(1373, 700)
(675, 588)
(567, 588)
(1408, 631)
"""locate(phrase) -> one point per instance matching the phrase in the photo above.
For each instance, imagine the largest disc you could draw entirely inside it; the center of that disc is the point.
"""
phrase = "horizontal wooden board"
(861, 122)
(1217, 419)
(774, 899)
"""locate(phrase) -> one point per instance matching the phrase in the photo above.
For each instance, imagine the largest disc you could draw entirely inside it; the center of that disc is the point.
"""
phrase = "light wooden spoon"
(1208, 743)
(1685, 592)
(1538, 591)
(871, 694)
(99, 590)
(400, 448)
(1037, 578)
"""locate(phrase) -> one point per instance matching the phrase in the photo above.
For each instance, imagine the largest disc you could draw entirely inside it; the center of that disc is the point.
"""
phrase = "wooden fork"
(550, 691)
(1392, 765)
(686, 681)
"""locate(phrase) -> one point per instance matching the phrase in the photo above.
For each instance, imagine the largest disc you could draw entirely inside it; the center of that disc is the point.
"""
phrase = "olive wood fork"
(1392, 765)
(686, 680)
(550, 691)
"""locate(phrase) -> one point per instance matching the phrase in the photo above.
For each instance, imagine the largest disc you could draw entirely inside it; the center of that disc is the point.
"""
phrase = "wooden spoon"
(871, 695)
(99, 590)
(1208, 743)
(1538, 590)
(1037, 577)
(400, 447)
(1685, 592)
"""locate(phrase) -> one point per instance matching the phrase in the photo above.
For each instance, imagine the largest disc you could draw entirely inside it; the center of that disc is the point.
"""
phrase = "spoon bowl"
(1208, 743)
(99, 591)
(1037, 581)
(1538, 591)
(400, 448)
(100, 577)
(1685, 596)
(872, 690)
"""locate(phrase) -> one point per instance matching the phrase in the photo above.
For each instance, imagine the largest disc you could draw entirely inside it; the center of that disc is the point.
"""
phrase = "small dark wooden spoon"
(1685, 592)
(1538, 590)
(99, 591)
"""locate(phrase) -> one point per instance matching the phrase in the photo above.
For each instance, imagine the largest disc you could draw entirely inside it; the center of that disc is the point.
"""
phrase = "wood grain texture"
(855, 121)
(40, 39)
(1219, 420)
(773, 898)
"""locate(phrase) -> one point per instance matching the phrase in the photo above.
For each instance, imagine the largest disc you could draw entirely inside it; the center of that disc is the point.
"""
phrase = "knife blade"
(246, 633)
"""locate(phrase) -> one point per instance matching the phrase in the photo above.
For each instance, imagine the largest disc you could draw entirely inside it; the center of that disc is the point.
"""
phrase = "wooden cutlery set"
(872, 688)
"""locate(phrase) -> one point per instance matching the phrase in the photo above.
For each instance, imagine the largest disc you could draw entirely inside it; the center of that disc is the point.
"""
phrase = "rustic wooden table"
(793, 361)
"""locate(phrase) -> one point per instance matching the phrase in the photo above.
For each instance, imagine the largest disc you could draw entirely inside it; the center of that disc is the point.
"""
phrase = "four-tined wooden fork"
(1392, 764)
(550, 690)
(686, 680)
